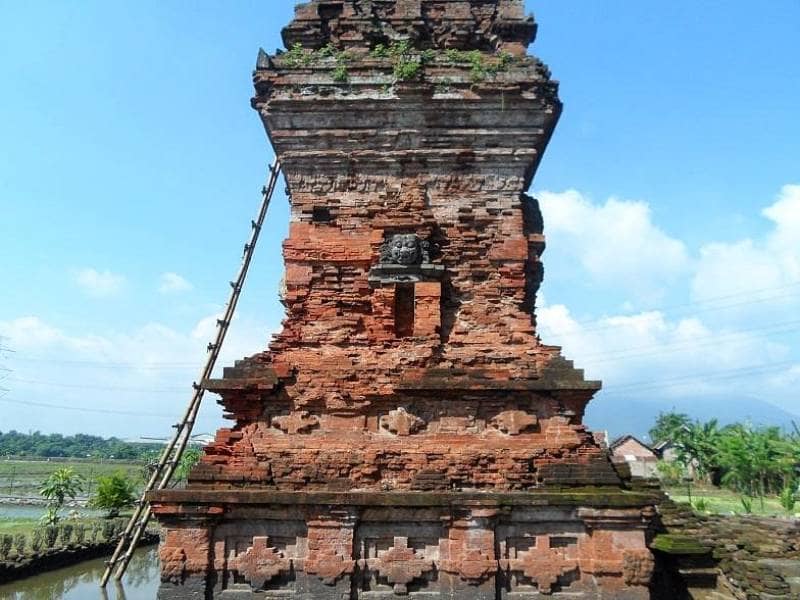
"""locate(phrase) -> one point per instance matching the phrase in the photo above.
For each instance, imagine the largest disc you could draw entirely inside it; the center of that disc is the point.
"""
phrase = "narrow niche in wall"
(321, 214)
(404, 309)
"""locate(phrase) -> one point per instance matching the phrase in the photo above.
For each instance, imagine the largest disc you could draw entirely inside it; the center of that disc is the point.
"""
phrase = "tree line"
(81, 445)
(752, 461)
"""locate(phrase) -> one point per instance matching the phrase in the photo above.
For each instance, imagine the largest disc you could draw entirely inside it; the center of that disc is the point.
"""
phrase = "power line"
(105, 411)
(110, 365)
(668, 310)
(701, 377)
(698, 341)
(100, 387)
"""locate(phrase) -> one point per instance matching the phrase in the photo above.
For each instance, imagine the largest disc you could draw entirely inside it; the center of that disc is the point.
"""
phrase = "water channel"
(80, 582)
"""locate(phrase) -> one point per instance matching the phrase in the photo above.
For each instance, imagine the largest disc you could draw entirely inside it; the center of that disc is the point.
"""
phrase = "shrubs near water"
(6, 542)
(20, 542)
(60, 485)
(114, 493)
(36, 540)
(80, 533)
(50, 536)
(66, 534)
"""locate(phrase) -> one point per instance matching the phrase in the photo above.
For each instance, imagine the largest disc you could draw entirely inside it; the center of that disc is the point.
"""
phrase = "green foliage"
(701, 505)
(670, 473)
(20, 541)
(6, 542)
(66, 534)
(80, 533)
(36, 540)
(755, 462)
(747, 504)
(297, 57)
(14, 443)
(109, 530)
(409, 63)
(340, 73)
(669, 426)
(114, 492)
(191, 456)
(407, 69)
(50, 536)
(788, 497)
(61, 484)
(50, 516)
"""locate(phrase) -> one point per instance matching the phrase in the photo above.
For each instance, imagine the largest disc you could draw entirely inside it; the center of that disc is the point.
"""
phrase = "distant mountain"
(620, 415)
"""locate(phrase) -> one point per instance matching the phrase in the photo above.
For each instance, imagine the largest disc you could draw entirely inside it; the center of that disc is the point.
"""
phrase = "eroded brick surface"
(408, 361)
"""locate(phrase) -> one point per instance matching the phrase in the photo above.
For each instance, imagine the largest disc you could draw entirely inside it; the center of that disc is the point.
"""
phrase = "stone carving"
(400, 565)
(296, 422)
(173, 563)
(542, 563)
(261, 563)
(401, 422)
(329, 567)
(514, 422)
(405, 249)
(637, 567)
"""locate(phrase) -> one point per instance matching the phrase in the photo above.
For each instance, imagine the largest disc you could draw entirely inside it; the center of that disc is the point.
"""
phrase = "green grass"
(12, 526)
(24, 477)
(725, 502)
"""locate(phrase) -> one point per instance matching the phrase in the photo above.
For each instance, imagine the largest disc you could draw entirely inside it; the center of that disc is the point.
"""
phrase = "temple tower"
(406, 432)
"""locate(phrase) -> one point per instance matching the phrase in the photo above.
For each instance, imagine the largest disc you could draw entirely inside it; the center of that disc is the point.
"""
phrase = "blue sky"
(130, 164)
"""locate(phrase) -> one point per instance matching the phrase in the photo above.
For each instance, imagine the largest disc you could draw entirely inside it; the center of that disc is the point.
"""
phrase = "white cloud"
(99, 284)
(172, 283)
(738, 335)
(662, 356)
(147, 369)
(766, 270)
(616, 243)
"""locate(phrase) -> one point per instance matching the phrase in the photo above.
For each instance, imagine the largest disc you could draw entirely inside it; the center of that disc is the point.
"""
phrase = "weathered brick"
(408, 366)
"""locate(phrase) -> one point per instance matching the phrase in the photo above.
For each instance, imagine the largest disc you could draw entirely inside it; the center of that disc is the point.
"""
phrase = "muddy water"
(80, 582)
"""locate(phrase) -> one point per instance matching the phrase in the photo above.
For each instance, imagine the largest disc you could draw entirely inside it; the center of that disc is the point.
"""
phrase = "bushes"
(67, 536)
(6, 542)
(65, 532)
(36, 540)
(788, 498)
(50, 536)
(408, 62)
(80, 533)
(19, 543)
(114, 493)
(752, 461)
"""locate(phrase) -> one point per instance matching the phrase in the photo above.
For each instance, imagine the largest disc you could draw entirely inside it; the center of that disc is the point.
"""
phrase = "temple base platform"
(245, 544)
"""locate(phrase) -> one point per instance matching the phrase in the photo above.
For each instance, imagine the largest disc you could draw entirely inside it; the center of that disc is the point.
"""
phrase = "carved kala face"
(405, 249)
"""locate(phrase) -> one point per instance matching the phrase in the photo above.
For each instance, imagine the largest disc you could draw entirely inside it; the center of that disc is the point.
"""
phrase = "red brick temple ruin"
(407, 433)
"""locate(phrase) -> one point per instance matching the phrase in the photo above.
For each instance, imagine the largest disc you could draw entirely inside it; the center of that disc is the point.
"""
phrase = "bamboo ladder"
(173, 451)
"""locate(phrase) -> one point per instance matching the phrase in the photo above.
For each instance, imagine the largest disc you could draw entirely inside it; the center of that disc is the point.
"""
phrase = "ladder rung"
(163, 469)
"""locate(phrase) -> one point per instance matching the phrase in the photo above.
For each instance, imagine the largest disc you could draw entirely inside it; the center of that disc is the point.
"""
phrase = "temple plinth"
(406, 432)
